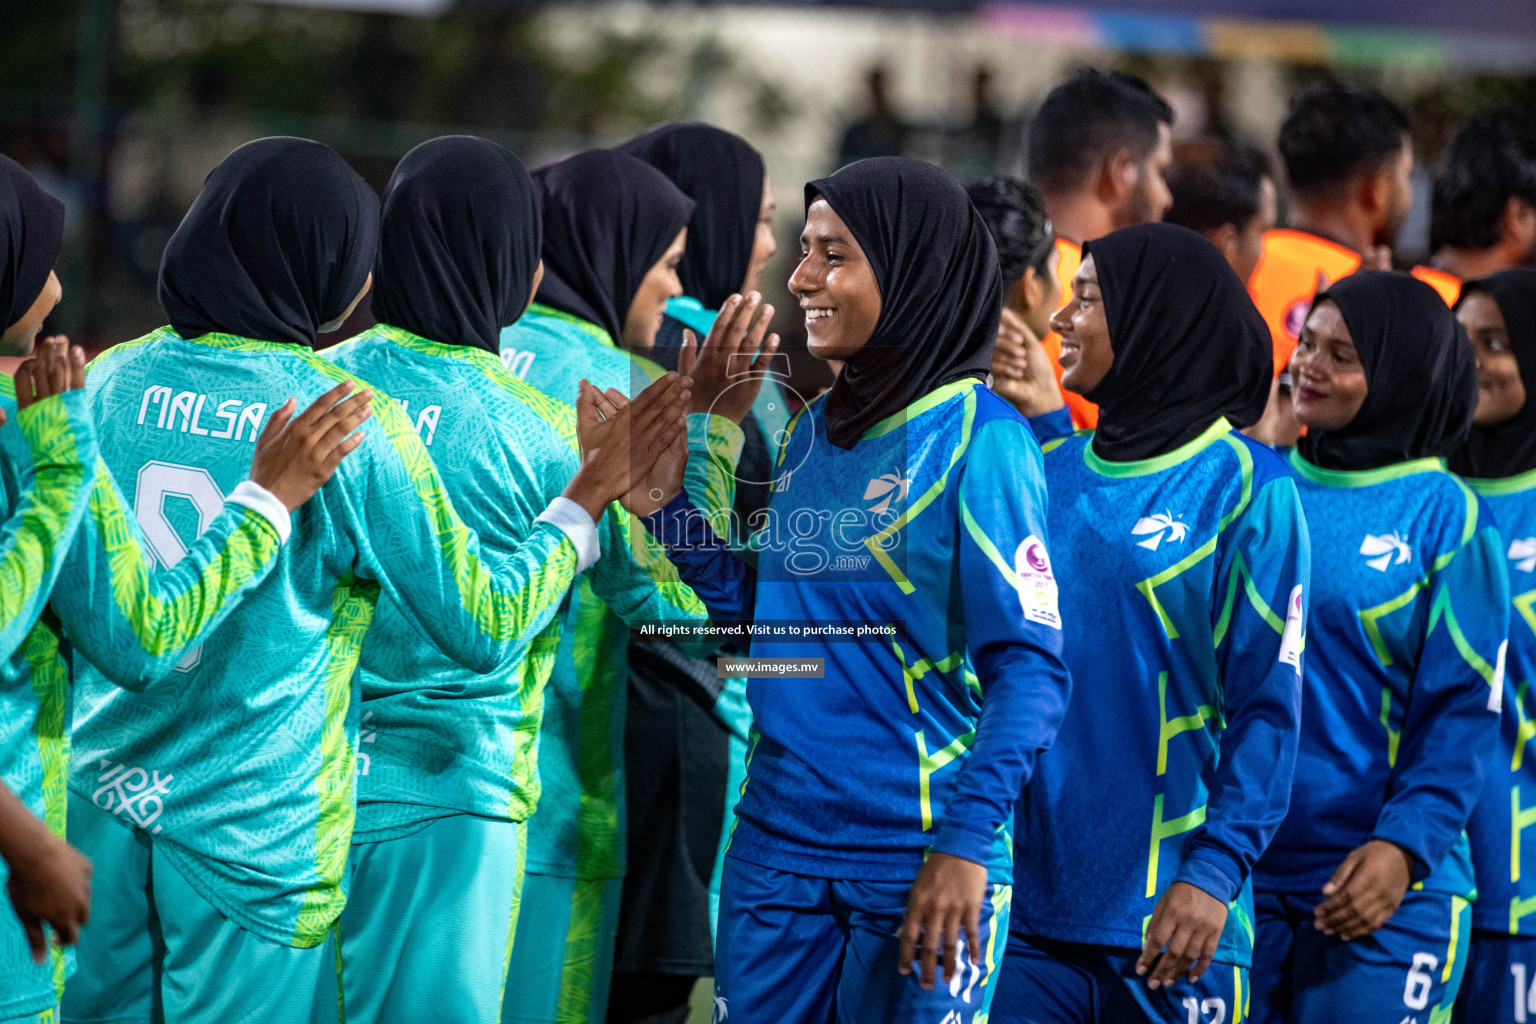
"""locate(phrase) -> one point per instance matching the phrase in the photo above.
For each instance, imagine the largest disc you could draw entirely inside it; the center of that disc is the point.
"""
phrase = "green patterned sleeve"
(36, 536)
(714, 449)
(482, 614)
(134, 620)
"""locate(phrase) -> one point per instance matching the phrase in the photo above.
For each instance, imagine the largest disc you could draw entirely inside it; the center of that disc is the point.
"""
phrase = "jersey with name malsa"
(1503, 825)
(932, 528)
(1405, 659)
(240, 762)
(1184, 583)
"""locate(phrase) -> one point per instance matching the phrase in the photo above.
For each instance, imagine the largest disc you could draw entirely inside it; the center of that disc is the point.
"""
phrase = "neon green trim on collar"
(577, 322)
(233, 342)
(1141, 467)
(1362, 477)
(933, 398)
(426, 346)
(1503, 484)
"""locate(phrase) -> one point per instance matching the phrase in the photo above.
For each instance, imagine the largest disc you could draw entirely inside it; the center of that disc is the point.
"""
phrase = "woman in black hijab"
(923, 510)
(1404, 656)
(458, 262)
(277, 247)
(1183, 541)
(614, 232)
(1498, 461)
(31, 234)
(459, 250)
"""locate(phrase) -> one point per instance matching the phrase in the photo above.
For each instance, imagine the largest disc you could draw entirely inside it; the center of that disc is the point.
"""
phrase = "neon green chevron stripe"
(352, 605)
(876, 543)
(162, 625)
(50, 682)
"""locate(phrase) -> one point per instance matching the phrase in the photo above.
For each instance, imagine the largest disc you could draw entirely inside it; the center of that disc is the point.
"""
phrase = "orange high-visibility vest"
(1448, 285)
(1285, 280)
(1084, 413)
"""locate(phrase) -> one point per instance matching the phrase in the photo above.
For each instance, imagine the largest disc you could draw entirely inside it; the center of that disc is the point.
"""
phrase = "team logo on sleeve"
(1523, 553)
(1157, 528)
(1290, 638)
(1387, 549)
(1037, 586)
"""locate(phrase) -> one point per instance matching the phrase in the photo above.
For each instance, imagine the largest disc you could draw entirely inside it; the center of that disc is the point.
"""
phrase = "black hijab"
(1508, 448)
(279, 241)
(31, 233)
(1189, 346)
(722, 174)
(1419, 368)
(459, 243)
(940, 290)
(608, 217)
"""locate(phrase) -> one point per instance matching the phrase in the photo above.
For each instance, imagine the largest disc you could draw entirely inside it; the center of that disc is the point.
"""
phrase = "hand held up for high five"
(55, 367)
(620, 447)
(728, 369)
(665, 479)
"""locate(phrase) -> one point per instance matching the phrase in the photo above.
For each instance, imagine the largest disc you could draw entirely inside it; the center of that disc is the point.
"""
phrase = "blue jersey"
(1400, 700)
(580, 825)
(931, 532)
(1183, 598)
(1503, 847)
(241, 761)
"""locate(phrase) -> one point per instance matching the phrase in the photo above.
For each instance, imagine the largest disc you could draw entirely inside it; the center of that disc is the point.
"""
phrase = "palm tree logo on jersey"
(721, 1014)
(1388, 549)
(1523, 554)
(1158, 527)
(888, 487)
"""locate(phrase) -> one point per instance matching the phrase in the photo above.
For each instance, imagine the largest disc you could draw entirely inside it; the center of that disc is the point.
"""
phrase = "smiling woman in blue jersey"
(1499, 463)
(1363, 896)
(1184, 564)
(875, 823)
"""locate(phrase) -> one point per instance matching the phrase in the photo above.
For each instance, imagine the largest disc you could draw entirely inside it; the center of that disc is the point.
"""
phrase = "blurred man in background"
(1098, 149)
(1484, 214)
(1225, 191)
(1347, 158)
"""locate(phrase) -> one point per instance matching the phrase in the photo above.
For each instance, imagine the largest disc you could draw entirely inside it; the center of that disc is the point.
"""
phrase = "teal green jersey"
(434, 735)
(47, 464)
(241, 760)
(580, 826)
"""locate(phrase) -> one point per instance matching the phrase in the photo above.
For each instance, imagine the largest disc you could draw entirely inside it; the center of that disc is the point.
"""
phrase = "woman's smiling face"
(1329, 382)
(1500, 389)
(836, 286)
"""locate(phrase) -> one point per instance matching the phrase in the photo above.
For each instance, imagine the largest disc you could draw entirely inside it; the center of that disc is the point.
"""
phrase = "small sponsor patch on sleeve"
(1291, 637)
(1496, 689)
(1037, 586)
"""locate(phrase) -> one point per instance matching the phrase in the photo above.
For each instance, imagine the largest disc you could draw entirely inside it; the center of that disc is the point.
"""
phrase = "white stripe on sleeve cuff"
(574, 522)
(265, 504)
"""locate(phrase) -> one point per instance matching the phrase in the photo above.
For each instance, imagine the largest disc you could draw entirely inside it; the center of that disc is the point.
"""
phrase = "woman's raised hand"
(728, 369)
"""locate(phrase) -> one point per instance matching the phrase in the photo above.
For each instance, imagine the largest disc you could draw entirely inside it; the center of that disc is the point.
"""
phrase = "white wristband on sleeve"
(265, 504)
(573, 521)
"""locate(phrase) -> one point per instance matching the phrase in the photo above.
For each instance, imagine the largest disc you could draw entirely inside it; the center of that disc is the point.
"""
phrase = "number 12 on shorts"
(1525, 994)
(1208, 1011)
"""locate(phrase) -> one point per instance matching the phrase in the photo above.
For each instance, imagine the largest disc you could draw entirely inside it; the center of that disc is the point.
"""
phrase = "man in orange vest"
(1483, 215)
(1098, 148)
(1347, 157)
